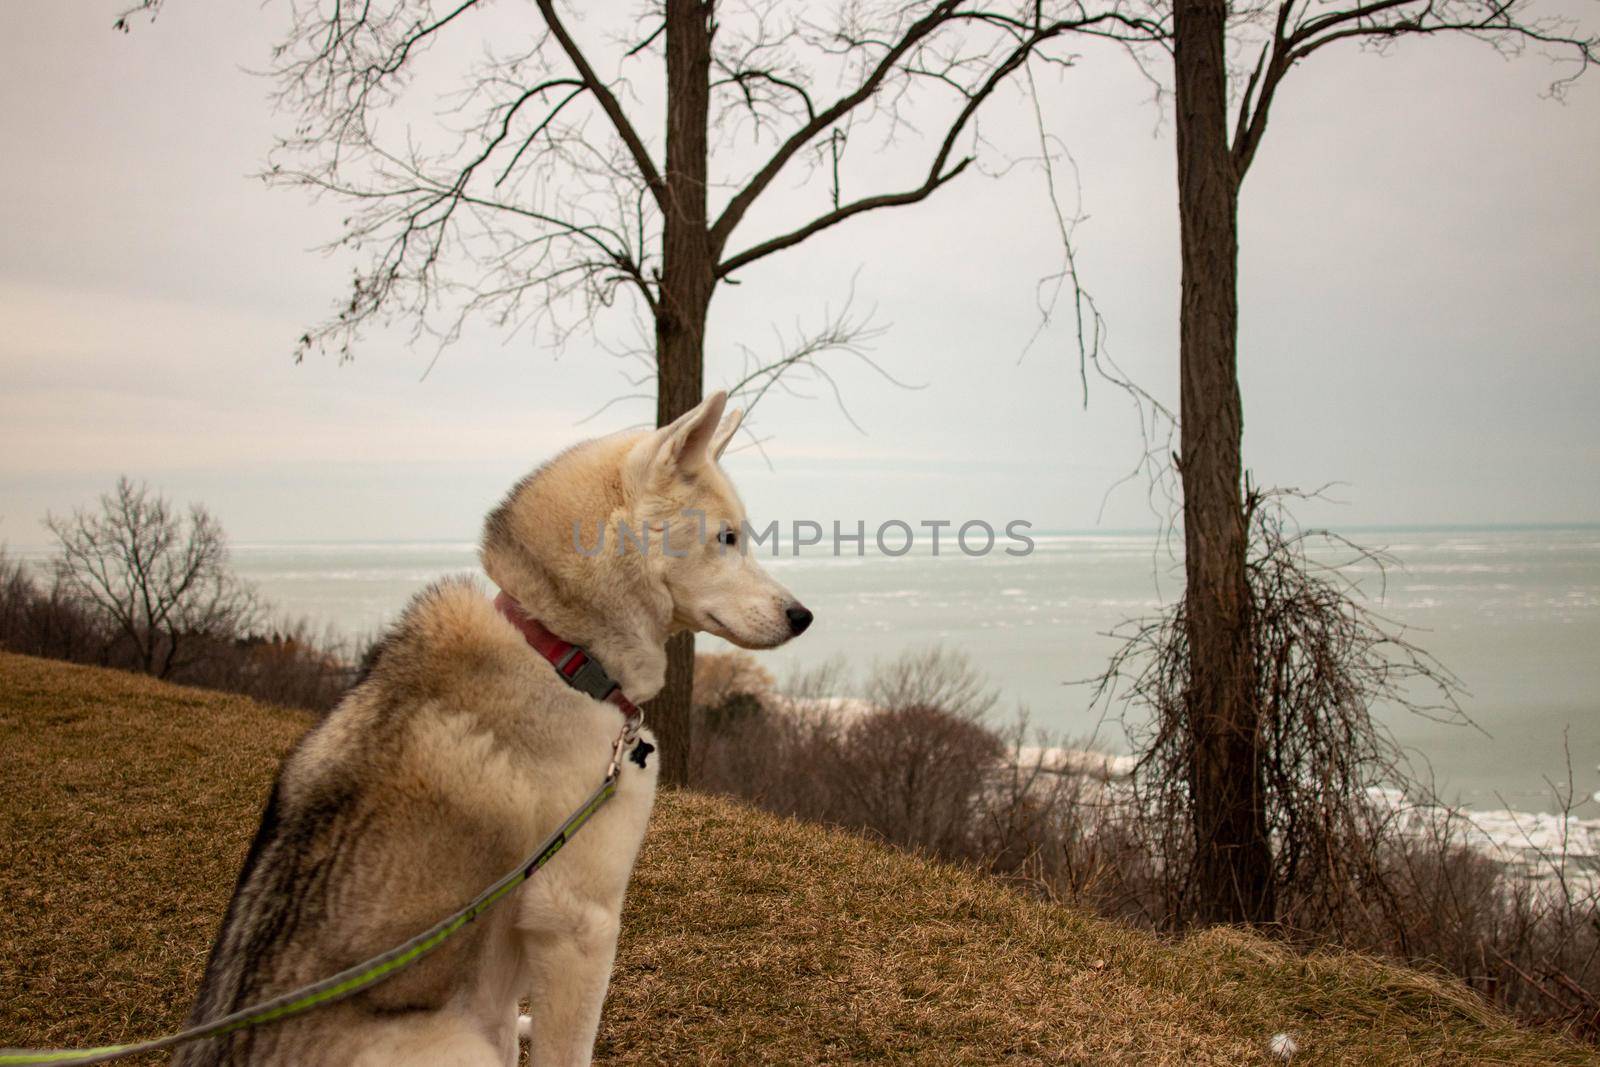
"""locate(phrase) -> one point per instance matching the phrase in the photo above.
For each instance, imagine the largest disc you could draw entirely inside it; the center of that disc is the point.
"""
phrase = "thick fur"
(459, 752)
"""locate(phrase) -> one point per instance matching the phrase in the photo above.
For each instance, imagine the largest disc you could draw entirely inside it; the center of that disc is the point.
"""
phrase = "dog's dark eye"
(727, 536)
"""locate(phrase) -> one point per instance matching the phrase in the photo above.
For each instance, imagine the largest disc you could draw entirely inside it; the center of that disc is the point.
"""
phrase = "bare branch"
(742, 201)
(1500, 23)
(833, 218)
(608, 102)
(1030, 38)
(1272, 64)
(842, 331)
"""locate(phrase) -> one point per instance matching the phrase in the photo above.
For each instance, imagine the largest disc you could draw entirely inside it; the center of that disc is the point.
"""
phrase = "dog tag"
(640, 752)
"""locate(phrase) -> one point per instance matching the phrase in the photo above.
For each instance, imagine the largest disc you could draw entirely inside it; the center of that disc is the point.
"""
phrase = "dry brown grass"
(127, 809)
(747, 939)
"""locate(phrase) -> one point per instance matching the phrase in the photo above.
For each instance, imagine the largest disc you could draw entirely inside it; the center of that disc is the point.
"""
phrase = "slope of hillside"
(747, 939)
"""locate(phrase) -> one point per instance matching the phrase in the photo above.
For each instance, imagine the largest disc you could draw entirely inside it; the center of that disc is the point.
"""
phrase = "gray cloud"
(1420, 314)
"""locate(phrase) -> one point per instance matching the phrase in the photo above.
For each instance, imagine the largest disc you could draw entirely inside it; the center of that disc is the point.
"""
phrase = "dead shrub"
(911, 765)
(1322, 659)
(287, 666)
(915, 775)
(719, 676)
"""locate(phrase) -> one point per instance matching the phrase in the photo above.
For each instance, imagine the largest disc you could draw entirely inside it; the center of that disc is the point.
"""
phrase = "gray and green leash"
(347, 982)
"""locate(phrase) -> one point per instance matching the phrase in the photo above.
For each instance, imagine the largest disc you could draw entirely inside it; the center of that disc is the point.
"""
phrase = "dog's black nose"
(799, 619)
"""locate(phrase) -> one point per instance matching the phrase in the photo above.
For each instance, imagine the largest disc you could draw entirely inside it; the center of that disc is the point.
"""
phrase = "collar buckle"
(590, 678)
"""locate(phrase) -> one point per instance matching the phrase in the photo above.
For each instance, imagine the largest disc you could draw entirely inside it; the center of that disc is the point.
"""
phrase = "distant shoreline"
(40, 548)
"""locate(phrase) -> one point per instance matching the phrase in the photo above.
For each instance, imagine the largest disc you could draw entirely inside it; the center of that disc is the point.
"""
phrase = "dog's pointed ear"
(681, 446)
(687, 442)
(725, 432)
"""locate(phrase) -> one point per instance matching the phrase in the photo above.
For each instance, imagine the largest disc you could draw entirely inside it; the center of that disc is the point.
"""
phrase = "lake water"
(1515, 613)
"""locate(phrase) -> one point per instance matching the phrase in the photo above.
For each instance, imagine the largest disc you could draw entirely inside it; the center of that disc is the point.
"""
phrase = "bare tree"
(1222, 707)
(159, 579)
(544, 196)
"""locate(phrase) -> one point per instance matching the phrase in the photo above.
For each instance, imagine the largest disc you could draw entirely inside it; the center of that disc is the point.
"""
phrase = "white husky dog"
(465, 746)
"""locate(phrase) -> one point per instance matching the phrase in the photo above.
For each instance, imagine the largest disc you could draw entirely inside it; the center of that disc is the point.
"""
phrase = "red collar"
(576, 665)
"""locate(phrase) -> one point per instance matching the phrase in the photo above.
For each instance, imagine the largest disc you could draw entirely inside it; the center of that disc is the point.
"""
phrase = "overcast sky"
(1420, 308)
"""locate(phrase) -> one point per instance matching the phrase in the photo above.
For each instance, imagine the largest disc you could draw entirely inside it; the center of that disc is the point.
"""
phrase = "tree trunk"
(688, 275)
(1233, 859)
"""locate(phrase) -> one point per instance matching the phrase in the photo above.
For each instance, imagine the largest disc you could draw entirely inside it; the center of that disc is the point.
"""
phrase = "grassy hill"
(128, 805)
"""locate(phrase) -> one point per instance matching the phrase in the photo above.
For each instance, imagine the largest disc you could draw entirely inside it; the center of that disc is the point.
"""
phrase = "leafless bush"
(290, 666)
(916, 775)
(723, 676)
(933, 678)
(1035, 826)
(1322, 660)
(1057, 828)
(48, 622)
(286, 665)
(911, 764)
(1526, 937)
(773, 758)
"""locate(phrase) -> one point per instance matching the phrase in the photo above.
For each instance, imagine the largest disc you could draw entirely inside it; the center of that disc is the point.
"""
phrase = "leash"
(352, 980)
(362, 976)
